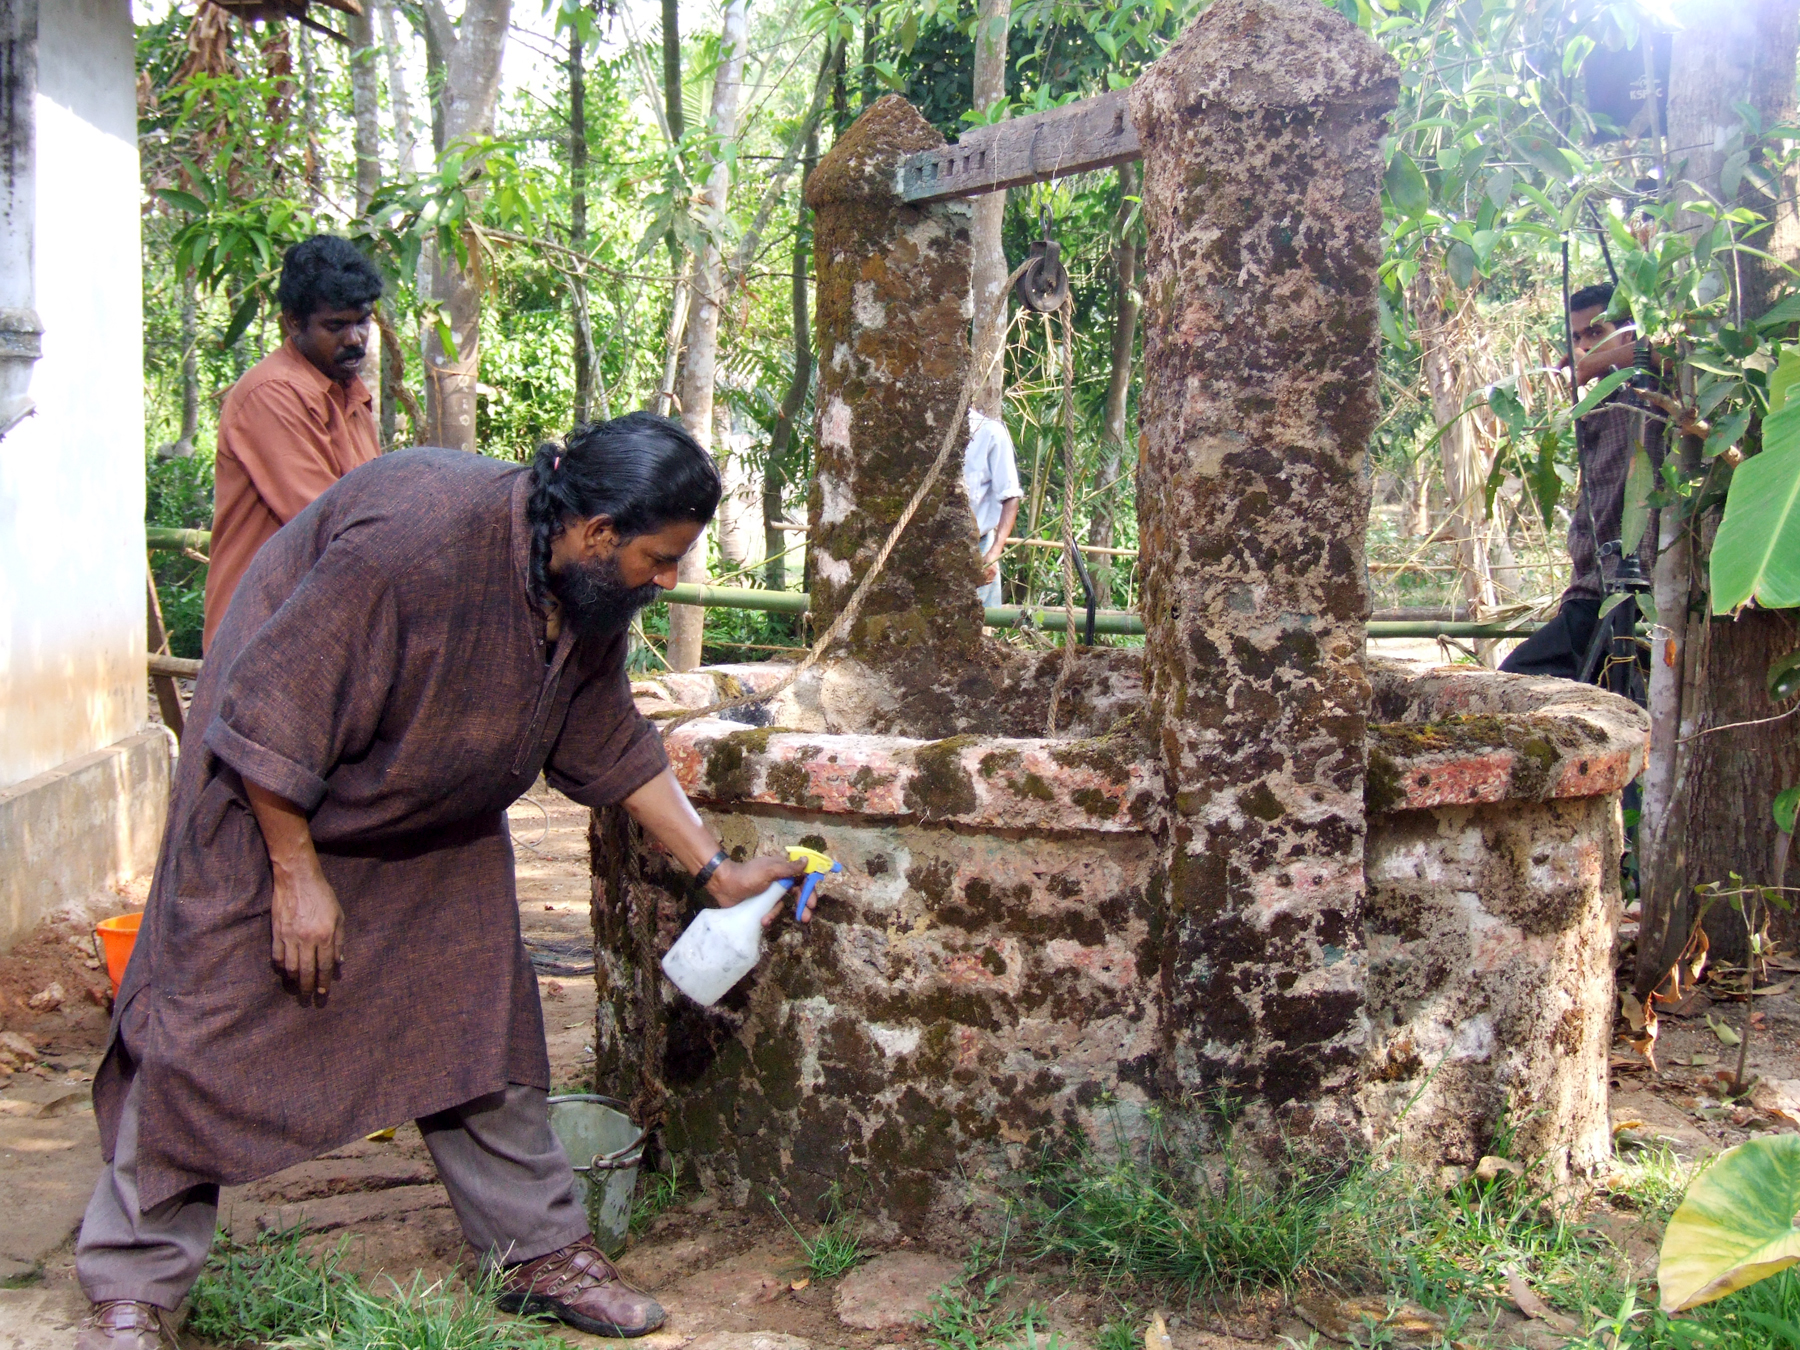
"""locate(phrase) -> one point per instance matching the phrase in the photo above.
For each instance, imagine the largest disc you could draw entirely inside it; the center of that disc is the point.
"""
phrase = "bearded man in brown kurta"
(332, 939)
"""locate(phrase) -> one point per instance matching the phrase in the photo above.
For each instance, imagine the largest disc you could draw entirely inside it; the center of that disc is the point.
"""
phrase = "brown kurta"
(382, 667)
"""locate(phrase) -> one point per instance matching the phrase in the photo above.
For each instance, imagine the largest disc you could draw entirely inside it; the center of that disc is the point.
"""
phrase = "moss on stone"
(729, 769)
(1260, 802)
(1031, 785)
(1095, 803)
(998, 761)
(1382, 790)
(789, 783)
(940, 786)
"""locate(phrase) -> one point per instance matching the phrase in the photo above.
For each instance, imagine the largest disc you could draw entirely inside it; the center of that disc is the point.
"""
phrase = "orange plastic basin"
(117, 937)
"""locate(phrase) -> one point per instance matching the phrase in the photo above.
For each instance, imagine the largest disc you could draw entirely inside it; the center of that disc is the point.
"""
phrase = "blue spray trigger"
(807, 886)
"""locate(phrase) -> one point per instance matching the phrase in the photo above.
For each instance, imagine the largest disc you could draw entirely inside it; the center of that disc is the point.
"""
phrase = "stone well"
(1243, 867)
(992, 968)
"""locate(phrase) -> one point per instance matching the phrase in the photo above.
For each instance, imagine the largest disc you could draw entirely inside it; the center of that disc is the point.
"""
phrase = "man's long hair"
(641, 470)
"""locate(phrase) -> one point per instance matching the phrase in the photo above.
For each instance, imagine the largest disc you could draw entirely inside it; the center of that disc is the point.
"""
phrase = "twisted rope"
(953, 434)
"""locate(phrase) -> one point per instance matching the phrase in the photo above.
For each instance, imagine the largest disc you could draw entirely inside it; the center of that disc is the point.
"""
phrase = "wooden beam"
(1095, 133)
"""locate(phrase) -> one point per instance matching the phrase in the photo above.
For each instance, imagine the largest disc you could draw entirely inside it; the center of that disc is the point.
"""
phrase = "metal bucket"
(604, 1148)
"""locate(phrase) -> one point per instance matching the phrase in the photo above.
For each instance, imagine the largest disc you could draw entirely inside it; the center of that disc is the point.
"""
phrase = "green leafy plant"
(1735, 1226)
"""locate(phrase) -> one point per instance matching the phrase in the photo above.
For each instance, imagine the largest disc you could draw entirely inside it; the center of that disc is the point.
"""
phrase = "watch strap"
(705, 874)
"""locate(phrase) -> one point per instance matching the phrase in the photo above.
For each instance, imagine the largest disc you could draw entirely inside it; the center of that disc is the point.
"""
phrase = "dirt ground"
(725, 1275)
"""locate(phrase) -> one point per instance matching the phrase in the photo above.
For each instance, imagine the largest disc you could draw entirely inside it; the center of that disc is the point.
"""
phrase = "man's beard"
(595, 600)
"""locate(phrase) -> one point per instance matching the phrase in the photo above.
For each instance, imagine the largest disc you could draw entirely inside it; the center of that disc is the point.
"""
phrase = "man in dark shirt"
(1606, 441)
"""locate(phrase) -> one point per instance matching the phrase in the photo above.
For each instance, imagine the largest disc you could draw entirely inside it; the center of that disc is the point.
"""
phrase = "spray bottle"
(722, 946)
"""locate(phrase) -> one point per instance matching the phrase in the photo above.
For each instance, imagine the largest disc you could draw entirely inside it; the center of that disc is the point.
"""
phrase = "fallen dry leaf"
(1490, 1167)
(1531, 1305)
(1773, 990)
(1347, 1319)
(1725, 1034)
(1627, 1125)
(799, 1284)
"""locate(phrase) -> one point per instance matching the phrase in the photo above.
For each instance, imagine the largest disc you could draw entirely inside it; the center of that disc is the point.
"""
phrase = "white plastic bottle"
(721, 946)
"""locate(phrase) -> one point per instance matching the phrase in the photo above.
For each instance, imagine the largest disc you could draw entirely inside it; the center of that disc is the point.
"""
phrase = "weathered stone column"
(1261, 195)
(893, 323)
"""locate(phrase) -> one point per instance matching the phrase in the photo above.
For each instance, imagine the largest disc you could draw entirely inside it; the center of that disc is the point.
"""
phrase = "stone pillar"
(893, 322)
(1262, 180)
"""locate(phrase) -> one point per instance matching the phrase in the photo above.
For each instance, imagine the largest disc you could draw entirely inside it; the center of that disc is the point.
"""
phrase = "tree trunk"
(869, 93)
(309, 116)
(405, 139)
(700, 362)
(731, 527)
(671, 53)
(1712, 816)
(578, 164)
(775, 541)
(989, 251)
(1465, 467)
(365, 106)
(1115, 435)
(471, 85)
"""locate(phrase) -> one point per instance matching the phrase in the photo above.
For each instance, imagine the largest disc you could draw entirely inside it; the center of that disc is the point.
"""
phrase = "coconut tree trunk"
(992, 21)
(1710, 814)
(1465, 467)
(471, 84)
(700, 362)
(1114, 433)
(578, 166)
(405, 139)
(775, 540)
(365, 141)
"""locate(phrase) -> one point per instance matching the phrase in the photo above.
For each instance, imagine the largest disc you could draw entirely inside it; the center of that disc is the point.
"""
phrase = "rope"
(1068, 513)
(956, 430)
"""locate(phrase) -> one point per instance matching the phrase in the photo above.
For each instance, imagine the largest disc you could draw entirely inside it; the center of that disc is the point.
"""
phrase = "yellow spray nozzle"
(814, 860)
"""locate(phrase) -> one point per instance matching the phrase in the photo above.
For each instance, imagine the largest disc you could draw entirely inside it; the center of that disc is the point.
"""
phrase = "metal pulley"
(1044, 284)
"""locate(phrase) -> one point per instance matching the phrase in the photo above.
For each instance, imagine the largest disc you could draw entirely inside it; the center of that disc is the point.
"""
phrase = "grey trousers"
(508, 1178)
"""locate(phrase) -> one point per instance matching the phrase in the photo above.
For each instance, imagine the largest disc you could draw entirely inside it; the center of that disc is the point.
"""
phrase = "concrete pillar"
(893, 321)
(1262, 179)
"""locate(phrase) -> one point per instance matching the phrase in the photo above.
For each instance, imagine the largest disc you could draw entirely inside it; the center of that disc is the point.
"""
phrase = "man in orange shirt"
(300, 419)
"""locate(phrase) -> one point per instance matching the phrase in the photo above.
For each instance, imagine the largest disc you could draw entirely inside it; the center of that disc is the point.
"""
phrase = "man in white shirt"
(991, 478)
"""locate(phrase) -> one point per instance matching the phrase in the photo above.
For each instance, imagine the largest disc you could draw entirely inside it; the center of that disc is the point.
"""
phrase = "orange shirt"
(287, 432)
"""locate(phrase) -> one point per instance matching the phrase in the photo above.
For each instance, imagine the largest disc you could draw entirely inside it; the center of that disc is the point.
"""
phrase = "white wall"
(72, 476)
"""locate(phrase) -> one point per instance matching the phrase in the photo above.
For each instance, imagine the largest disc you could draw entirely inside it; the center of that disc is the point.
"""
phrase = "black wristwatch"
(705, 874)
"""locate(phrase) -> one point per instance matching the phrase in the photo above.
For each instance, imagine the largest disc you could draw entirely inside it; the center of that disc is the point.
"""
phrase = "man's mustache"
(348, 354)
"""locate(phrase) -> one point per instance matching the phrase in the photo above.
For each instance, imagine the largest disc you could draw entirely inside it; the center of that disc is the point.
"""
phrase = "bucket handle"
(620, 1158)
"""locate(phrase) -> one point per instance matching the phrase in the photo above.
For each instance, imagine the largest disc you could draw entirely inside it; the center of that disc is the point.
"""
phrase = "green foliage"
(1756, 555)
(1735, 1226)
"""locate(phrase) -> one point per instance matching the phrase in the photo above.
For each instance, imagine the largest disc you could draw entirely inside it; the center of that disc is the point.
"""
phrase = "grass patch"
(657, 1194)
(1203, 1227)
(835, 1250)
(266, 1290)
(971, 1318)
(271, 1292)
